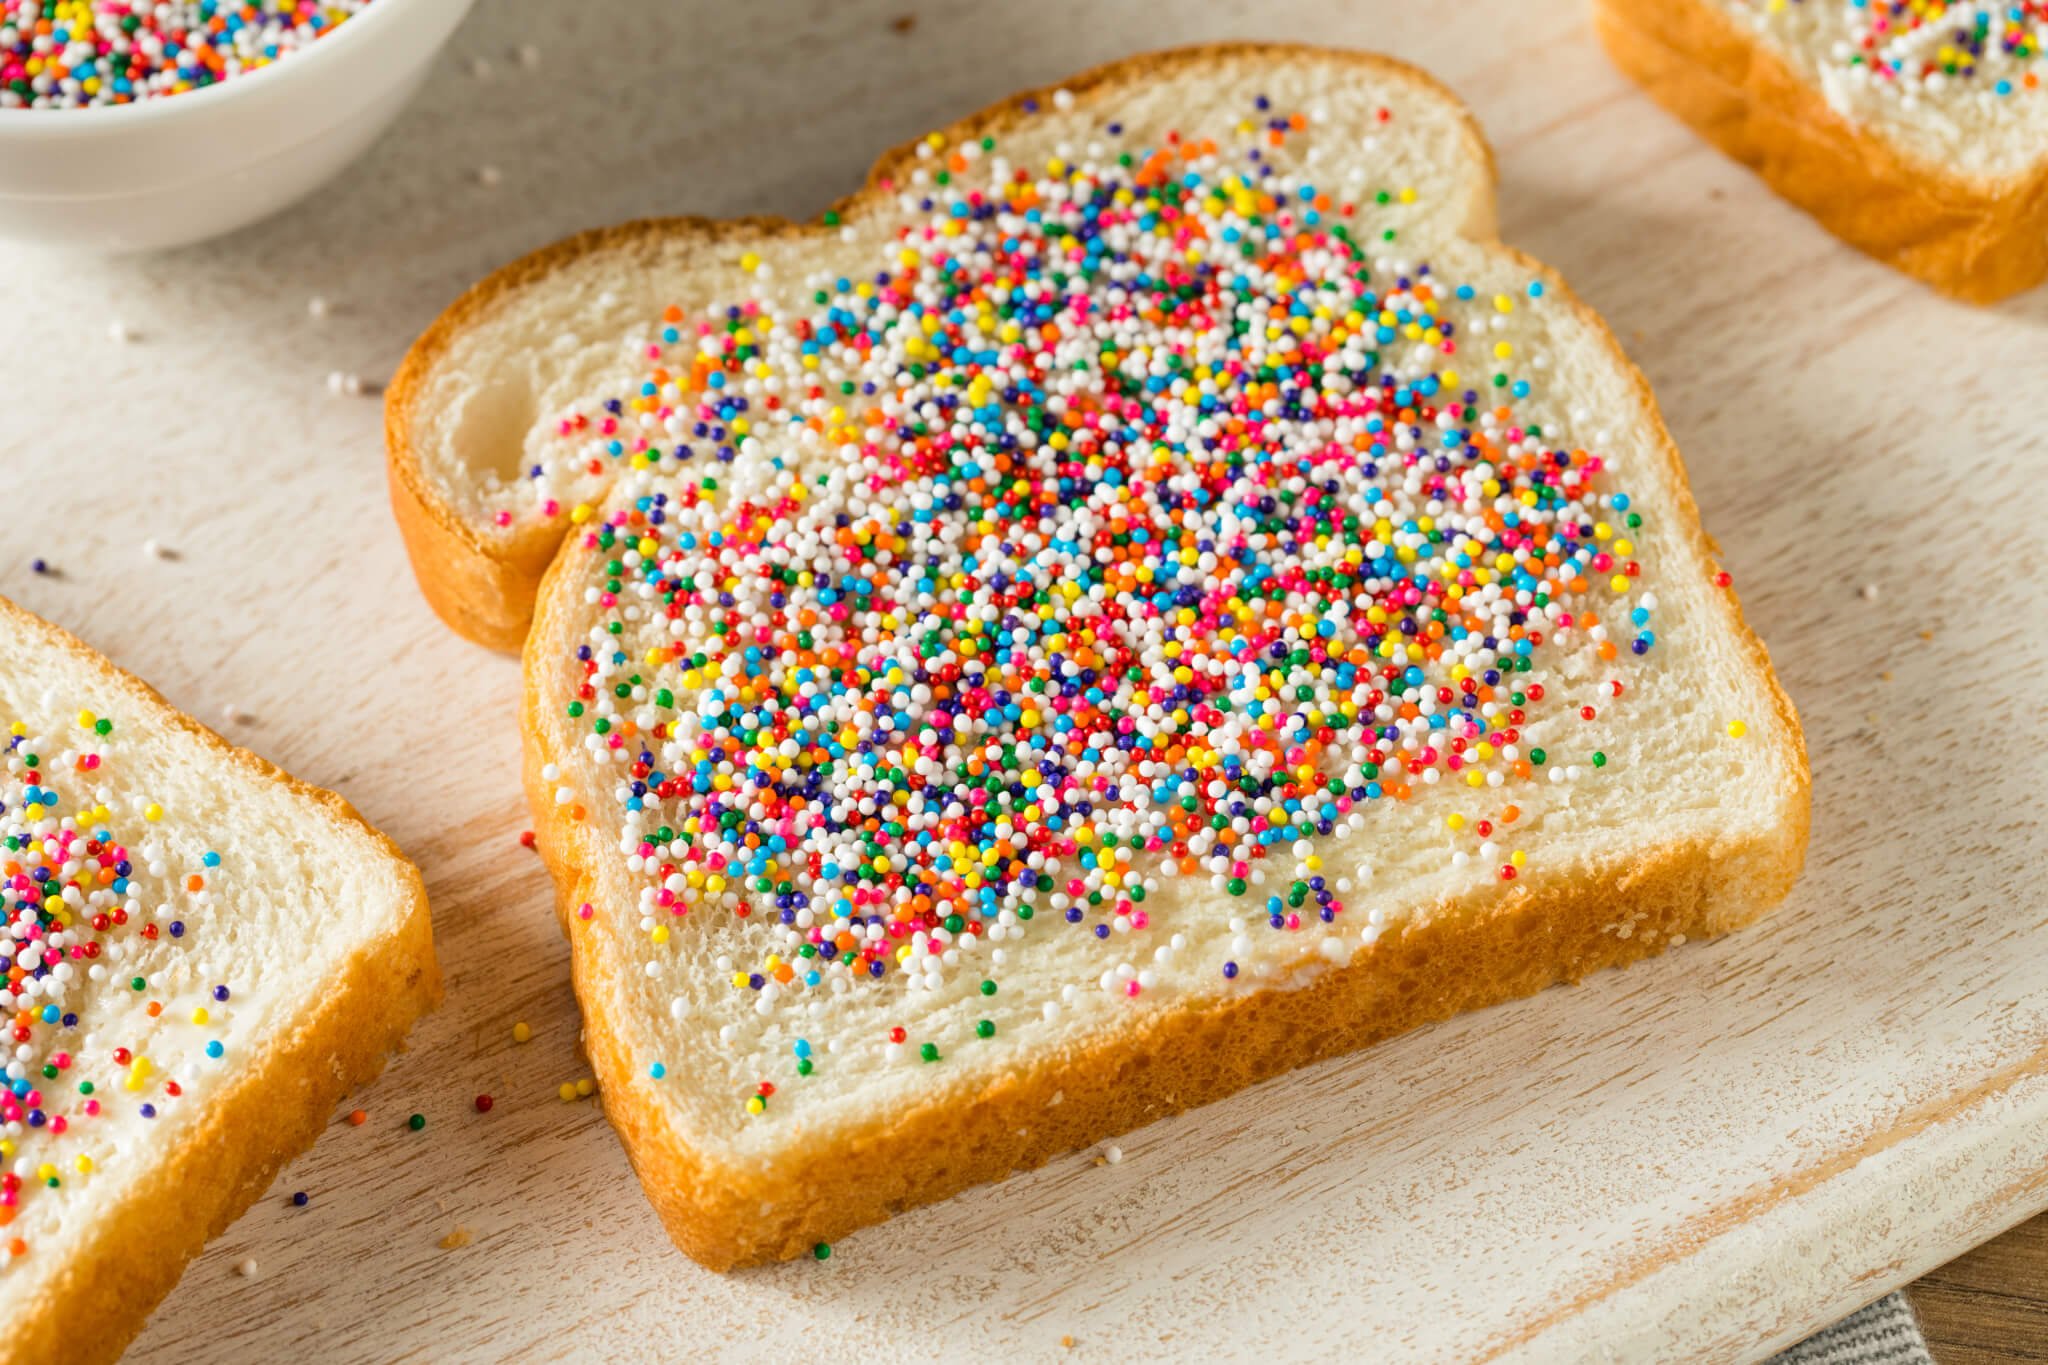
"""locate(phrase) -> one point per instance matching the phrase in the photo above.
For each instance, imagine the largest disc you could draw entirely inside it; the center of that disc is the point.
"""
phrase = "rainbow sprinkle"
(1918, 46)
(70, 54)
(94, 917)
(1130, 517)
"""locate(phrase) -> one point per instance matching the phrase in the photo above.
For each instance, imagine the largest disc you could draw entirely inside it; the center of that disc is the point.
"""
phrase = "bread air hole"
(490, 433)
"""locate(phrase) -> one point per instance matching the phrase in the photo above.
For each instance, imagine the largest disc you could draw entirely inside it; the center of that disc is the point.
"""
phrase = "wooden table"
(1989, 1305)
(1708, 1155)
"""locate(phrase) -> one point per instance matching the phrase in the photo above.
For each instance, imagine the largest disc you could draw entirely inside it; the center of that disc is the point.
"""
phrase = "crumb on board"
(903, 23)
(457, 1238)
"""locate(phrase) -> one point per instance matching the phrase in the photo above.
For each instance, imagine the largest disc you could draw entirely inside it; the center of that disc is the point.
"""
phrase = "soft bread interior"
(1672, 774)
(1964, 125)
(296, 892)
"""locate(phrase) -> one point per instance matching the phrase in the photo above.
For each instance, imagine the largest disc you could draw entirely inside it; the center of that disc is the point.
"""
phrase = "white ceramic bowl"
(162, 172)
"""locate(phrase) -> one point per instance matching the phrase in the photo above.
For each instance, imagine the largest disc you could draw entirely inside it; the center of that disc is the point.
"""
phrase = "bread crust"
(1496, 944)
(483, 585)
(94, 1306)
(1972, 239)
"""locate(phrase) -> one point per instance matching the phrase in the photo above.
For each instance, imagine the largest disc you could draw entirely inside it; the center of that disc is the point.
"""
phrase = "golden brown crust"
(483, 585)
(1533, 935)
(1975, 240)
(1506, 942)
(94, 1307)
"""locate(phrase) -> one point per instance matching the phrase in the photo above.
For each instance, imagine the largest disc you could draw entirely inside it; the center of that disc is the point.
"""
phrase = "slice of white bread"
(1642, 782)
(239, 950)
(1918, 134)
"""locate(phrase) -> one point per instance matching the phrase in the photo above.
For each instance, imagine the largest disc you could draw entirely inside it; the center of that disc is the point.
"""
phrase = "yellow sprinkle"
(522, 1032)
(86, 720)
(138, 1072)
(586, 1087)
(84, 1165)
(1736, 729)
(755, 1104)
(750, 262)
(153, 812)
(199, 1016)
(567, 1090)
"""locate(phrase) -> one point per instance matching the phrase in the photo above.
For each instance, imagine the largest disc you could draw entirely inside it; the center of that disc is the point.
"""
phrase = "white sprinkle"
(316, 307)
(529, 56)
(152, 549)
(1112, 1154)
(231, 712)
(117, 332)
(488, 176)
(247, 1268)
(1868, 592)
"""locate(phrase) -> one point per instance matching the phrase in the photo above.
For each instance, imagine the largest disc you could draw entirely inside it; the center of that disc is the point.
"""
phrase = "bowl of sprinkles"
(127, 125)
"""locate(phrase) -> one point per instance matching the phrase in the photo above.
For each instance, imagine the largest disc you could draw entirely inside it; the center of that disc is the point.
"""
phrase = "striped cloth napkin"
(1885, 1333)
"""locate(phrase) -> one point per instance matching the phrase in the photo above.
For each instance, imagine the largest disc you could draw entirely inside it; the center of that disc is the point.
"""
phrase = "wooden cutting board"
(1705, 1157)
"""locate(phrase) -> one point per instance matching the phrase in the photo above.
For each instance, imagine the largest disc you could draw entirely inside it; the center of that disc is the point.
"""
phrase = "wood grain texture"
(1989, 1306)
(1704, 1157)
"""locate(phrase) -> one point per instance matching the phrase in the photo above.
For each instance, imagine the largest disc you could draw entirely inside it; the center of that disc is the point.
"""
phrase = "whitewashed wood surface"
(1706, 1156)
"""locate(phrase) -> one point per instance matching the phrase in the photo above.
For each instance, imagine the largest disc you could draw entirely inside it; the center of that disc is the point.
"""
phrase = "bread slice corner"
(1879, 178)
(260, 917)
